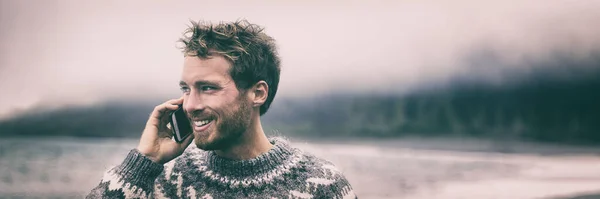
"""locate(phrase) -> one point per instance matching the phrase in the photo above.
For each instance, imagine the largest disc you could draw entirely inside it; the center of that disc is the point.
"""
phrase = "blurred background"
(418, 99)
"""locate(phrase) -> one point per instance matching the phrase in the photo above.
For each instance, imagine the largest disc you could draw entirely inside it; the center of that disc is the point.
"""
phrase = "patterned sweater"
(282, 172)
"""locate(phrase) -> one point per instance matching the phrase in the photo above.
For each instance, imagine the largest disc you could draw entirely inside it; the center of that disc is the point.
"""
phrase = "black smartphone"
(180, 125)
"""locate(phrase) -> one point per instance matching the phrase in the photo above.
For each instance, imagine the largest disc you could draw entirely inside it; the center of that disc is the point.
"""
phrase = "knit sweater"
(282, 172)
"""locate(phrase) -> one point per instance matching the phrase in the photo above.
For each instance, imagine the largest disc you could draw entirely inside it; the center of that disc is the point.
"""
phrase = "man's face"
(218, 111)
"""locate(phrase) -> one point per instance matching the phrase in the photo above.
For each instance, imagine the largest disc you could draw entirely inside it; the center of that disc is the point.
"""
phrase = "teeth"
(201, 122)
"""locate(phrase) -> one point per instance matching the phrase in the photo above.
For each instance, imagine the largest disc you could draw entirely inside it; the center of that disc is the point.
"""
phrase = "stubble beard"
(230, 128)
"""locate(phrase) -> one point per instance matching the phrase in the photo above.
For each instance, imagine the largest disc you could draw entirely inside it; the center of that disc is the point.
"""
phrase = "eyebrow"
(198, 83)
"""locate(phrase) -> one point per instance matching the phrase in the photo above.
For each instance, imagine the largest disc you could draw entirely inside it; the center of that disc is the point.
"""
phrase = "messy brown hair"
(252, 53)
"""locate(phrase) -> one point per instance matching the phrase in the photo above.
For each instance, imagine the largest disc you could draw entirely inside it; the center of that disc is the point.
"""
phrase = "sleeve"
(337, 185)
(340, 188)
(133, 178)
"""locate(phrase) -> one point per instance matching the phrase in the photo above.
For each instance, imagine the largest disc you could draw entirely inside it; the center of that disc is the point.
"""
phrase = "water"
(69, 168)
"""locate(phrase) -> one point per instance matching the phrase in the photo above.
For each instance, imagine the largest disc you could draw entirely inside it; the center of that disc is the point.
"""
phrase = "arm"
(133, 178)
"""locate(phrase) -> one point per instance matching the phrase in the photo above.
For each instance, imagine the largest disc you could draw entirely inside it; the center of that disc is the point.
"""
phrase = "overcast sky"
(57, 52)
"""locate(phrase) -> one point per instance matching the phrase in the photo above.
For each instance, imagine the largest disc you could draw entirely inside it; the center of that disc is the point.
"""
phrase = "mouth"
(201, 125)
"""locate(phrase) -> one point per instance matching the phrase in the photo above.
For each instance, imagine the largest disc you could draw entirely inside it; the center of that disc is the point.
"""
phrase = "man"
(230, 77)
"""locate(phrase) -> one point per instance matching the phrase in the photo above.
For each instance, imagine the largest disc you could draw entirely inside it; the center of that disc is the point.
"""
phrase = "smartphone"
(180, 125)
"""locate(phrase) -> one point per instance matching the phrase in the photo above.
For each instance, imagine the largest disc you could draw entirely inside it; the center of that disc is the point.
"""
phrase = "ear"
(259, 93)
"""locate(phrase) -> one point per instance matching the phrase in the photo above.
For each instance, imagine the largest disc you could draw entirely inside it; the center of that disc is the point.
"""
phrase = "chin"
(204, 141)
(202, 144)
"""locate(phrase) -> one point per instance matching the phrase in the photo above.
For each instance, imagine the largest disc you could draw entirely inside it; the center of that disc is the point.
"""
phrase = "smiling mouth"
(201, 123)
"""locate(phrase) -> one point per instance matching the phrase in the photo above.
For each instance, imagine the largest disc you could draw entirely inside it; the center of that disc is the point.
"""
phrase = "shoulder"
(321, 168)
(328, 168)
(327, 178)
(313, 166)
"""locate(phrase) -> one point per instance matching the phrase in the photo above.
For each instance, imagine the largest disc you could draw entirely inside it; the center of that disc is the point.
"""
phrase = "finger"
(176, 101)
(186, 142)
(155, 115)
(171, 107)
(168, 109)
(160, 110)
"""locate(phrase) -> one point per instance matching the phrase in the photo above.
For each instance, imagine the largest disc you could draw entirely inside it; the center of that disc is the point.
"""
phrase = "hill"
(560, 103)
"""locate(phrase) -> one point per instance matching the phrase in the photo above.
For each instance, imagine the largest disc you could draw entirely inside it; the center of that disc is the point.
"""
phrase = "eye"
(208, 88)
(185, 89)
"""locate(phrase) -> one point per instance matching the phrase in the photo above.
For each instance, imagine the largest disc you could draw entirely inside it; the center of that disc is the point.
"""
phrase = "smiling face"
(218, 111)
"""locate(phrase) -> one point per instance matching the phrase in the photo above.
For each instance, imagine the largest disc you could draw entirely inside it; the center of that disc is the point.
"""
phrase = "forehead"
(215, 68)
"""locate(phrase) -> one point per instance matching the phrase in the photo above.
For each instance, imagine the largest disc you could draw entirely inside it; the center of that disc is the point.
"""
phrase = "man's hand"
(156, 142)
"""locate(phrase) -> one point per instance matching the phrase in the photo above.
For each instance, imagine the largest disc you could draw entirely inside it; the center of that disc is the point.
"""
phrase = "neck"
(253, 143)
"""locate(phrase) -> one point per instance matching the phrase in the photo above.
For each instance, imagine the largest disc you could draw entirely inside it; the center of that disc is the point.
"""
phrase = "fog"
(57, 52)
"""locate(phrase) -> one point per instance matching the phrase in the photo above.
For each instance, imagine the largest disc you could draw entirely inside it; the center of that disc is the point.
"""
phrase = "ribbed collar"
(280, 153)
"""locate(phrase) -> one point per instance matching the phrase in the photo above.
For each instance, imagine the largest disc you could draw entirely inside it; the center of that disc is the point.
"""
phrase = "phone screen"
(180, 125)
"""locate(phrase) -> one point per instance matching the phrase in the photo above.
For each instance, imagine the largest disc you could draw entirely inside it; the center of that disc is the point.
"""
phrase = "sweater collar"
(277, 155)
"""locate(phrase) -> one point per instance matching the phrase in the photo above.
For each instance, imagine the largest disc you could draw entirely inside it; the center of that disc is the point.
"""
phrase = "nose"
(193, 103)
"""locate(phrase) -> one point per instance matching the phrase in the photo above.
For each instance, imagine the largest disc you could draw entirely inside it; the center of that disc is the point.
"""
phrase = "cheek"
(216, 103)
(224, 101)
